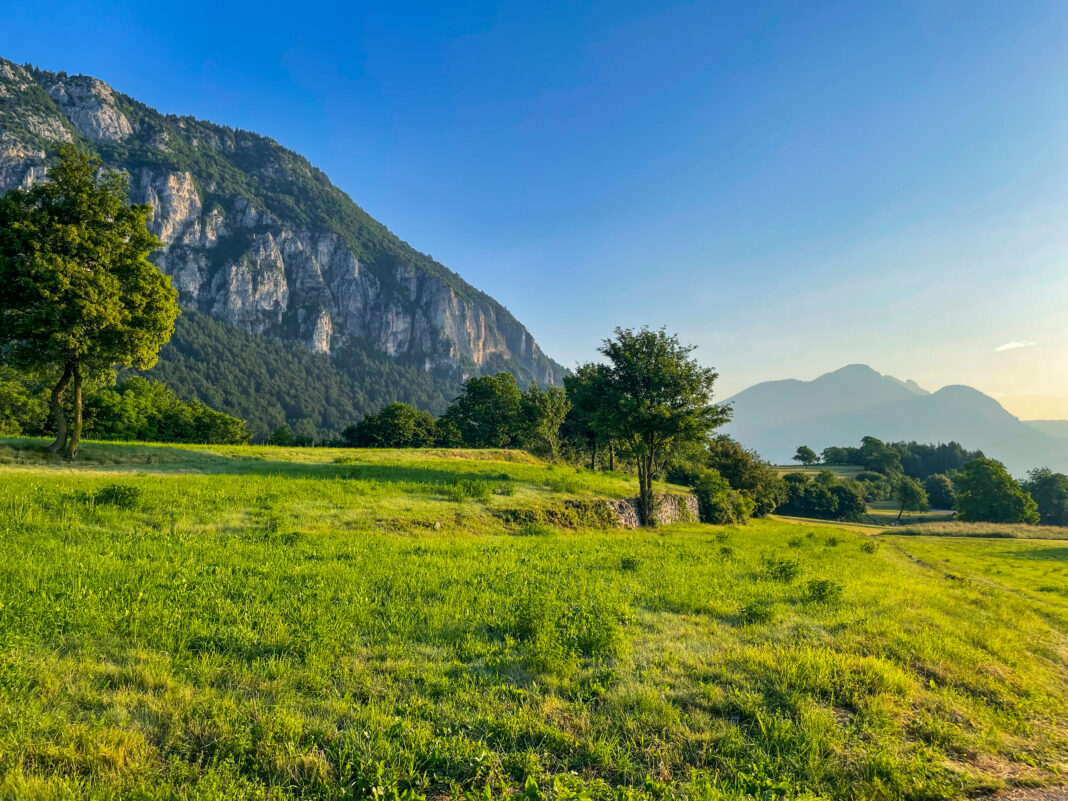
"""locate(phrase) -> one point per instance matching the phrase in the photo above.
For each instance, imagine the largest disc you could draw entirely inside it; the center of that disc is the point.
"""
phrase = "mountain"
(259, 239)
(1054, 428)
(841, 407)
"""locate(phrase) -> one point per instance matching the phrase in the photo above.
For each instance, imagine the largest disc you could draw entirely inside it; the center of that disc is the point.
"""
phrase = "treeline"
(135, 409)
(948, 476)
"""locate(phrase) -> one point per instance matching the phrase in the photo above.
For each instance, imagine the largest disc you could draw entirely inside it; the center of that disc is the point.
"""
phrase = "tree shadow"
(1043, 555)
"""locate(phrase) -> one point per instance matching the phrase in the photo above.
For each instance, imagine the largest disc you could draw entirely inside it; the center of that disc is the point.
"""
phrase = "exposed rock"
(272, 269)
(90, 105)
(669, 509)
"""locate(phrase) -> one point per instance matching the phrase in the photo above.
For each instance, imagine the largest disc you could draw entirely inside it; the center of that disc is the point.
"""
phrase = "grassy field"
(840, 470)
(254, 623)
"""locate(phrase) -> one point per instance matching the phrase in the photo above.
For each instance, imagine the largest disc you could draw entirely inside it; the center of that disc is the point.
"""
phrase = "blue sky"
(790, 186)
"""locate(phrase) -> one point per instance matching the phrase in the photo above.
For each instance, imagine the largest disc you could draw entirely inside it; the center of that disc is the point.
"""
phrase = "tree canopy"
(78, 294)
(987, 493)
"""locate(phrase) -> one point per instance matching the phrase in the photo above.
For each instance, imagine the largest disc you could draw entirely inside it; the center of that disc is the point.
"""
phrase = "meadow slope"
(253, 623)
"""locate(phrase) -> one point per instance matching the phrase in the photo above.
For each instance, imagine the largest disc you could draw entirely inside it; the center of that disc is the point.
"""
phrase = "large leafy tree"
(78, 294)
(805, 455)
(659, 399)
(747, 472)
(912, 496)
(398, 425)
(986, 492)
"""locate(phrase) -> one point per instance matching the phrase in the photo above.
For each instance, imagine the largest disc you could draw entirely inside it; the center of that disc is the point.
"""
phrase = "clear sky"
(792, 186)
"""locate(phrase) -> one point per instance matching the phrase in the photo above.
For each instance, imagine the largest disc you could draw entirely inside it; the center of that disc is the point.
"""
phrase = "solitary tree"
(986, 492)
(805, 455)
(913, 497)
(659, 398)
(78, 294)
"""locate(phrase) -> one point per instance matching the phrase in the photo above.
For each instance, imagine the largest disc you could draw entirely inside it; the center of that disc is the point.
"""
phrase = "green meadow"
(184, 622)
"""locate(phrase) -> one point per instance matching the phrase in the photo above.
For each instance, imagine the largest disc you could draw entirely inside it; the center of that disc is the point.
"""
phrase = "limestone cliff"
(256, 236)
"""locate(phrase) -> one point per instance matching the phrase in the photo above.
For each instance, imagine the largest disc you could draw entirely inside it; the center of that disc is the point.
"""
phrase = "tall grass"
(266, 623)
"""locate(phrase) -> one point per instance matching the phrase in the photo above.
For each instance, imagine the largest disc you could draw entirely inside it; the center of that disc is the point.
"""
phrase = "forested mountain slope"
(257, 237)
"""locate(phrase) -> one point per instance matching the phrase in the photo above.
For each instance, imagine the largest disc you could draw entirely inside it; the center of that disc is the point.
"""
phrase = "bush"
(123, 496)
(779, 569)
(587, 513)
(759, 611)
(476, 490)
(824, 591)
(718, 504)
(869, 546)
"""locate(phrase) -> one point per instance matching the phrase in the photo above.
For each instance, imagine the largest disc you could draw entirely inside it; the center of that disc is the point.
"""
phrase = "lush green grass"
(270, 623)
(986, 530)
(840, 470)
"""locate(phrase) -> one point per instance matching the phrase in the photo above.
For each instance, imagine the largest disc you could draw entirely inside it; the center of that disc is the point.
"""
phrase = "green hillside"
(254, 622)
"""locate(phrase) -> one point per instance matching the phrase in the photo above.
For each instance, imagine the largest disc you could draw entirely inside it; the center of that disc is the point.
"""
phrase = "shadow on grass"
(1042, 555)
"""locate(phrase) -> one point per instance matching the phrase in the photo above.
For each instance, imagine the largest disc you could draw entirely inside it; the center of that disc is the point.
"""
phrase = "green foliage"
(541, 413)
(824, 591)
(282, 437)
(139, 409)
(805, 455)
(487, 412)
(318, 396)
(658, 399)
(123, 496)
(1050, 493)
(748, 473)
(588, 421)
(470, 489)
(718, 503)
(77, 292)
(987, 493)
(781, 569)
(398, 425)
(826, 496)
(571, 513)
(940, 491)
(917, 460)
(912, 496)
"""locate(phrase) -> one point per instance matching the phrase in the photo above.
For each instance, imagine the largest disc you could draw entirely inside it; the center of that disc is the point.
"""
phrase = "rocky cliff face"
(257, 237)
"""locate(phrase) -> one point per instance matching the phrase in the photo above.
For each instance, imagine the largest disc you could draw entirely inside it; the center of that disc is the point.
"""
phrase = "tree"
(987, 493)
(913, 497)
(397, 425)
(659, 398)
(78, 294)
(1050, 492)
(587, 420)
(542, 412)
(748, 473)
(940, 492)
(879, 457)
(718, 503)
(805, 455)
(282, 436)
(486, 413)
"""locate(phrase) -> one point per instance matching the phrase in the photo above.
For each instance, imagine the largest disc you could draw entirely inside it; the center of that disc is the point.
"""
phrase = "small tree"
(282, 436)
(78, 294)
(913, 497)
(397, 425)
(542, 412)
(587, 420)
(987, 493)
(658, 398)
(806, 456)
(940, 492)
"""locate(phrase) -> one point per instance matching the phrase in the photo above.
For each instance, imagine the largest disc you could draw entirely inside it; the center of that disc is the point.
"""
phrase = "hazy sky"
(790, 186)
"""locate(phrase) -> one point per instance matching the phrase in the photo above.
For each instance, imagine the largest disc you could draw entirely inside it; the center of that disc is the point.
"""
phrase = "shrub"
(585, 513)
(869, 546)
(824, 591)
(123, 496)
(533, 529)
(759, 611)
(780, 569)
(506, 488)
(465, 489)
(718, 504)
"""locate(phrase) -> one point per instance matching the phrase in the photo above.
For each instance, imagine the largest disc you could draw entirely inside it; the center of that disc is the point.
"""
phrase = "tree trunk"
(58, 415)
(76, 431)
(646, 499)
(611, 455)
(593, 457)
(901, 512)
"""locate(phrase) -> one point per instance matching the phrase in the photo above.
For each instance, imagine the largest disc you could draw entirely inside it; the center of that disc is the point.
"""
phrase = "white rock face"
(90, 105)
(230, 257)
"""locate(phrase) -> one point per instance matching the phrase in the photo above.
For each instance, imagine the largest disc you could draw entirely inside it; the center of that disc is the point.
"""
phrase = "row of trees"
(948, 476)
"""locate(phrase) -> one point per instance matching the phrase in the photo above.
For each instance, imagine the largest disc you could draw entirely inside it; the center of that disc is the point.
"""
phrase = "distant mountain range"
(260, 240)
(839, 408)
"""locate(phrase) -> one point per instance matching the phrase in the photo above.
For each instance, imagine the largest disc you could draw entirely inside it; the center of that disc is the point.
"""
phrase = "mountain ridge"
(256, 236)
(840, 407)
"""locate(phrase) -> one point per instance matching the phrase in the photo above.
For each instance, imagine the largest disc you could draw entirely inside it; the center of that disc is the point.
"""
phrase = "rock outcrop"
(255, 236)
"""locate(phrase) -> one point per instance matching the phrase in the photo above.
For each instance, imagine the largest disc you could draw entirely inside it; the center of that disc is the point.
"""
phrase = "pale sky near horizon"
(792, 186)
